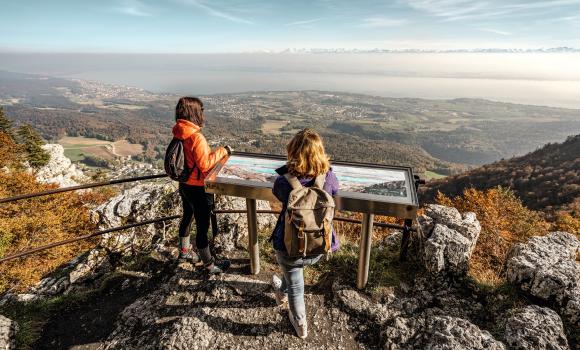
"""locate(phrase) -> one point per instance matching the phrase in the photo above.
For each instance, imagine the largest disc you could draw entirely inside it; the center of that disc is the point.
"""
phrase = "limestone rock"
(227, 312)
(436, 332)
(451, 239)
(8, 329)
(233, 228)
(139, 203)
(571, 308)
(392, 241)
(535, 327)
(357, 303)
(545, 267)
(59, 169)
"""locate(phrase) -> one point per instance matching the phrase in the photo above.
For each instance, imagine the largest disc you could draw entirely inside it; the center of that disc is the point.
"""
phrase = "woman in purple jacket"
(306, 160)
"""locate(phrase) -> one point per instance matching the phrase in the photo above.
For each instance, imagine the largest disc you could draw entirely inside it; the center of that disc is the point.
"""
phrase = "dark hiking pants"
(196, 203)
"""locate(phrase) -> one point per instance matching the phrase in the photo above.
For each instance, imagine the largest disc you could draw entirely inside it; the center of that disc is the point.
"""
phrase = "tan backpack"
(308, 218)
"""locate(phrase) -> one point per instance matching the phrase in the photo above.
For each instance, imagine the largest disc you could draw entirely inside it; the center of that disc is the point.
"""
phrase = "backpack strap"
(293, 181)
(320, 180)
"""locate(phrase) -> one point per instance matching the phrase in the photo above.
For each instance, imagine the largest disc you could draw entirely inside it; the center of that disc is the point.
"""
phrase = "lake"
(551, 79)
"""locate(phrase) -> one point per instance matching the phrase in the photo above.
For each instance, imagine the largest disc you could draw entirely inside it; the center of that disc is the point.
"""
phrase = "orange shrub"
(504, 221)
(34, 222)
(10, 152)
(351, 231)
(568, 223)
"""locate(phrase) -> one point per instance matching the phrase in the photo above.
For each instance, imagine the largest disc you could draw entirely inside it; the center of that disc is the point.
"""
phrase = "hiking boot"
(188, 256)
(281, 297)
(301, 329)
(217, 267)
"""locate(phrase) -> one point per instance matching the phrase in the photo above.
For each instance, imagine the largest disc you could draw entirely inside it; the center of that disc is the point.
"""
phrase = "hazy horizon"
(551, 79)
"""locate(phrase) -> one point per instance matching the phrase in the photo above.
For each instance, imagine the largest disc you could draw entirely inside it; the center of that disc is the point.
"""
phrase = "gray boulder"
(436, 332)
(59, 170)
(138, 203)
(233, 228)
(356, 303)
(452, 238)
(8, 329)
(535, 327)
(546, 267)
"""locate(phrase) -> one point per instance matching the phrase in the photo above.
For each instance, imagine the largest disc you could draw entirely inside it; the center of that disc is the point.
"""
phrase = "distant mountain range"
(547, 179)
(477, 50)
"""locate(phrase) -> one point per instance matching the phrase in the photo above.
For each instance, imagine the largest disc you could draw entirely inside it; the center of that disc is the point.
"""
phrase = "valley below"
(435, 137)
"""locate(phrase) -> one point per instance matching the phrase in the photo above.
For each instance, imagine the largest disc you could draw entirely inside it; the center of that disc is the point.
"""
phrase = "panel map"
(378, 181)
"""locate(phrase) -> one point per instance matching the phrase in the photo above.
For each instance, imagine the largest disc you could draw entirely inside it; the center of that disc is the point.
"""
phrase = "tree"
(10, 152)
(5, 124)
(32, 142)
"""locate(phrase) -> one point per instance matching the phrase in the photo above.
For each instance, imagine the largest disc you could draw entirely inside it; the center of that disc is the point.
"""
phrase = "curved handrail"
(162, 219)
(146, 222)
(80, 187)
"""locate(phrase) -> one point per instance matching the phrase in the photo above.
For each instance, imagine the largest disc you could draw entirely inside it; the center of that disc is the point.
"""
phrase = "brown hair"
(191, 109)
(306, 155)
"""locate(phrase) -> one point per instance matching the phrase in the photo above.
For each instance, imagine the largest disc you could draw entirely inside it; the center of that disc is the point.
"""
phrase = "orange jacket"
(197, 151)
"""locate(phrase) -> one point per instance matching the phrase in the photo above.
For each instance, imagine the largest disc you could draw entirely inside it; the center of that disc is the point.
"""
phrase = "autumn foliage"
(504, 221)
(34, 222)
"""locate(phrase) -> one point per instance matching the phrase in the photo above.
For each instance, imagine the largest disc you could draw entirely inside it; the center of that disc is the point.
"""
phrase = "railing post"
(253, 247)
(364, 256)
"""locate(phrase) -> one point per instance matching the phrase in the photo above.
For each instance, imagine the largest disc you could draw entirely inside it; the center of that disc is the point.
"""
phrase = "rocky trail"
(178, 306)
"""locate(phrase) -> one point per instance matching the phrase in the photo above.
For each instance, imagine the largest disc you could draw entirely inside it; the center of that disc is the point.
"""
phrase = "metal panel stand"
(253, 247)
(405, 240)
(365, 250)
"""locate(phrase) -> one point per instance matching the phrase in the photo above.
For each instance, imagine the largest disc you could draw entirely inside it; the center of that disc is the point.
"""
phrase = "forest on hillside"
(547, 179)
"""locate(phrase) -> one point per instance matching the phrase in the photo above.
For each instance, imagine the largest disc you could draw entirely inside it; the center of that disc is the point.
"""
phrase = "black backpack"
(175, 164)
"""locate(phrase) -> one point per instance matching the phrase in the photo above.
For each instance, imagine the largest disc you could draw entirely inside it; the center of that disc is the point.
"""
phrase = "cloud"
(382, 22)
(496, 31)
(455, 10)
(308, 21)
(133, 8)
(572, 18)
(216, 12)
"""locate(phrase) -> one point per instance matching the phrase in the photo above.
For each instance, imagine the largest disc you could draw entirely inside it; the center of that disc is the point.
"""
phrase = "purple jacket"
(282, 191)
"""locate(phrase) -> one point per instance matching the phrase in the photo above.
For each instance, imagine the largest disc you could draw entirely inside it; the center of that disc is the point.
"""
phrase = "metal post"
(364, 256)
(405, 239)
(253, 247)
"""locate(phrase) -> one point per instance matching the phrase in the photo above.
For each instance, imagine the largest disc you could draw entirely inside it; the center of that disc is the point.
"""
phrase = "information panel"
(367, 188)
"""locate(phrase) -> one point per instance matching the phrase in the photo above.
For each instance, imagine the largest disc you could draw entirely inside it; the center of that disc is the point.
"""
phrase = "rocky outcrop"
(451, 238)
(137, 204)
(8, 329)
(59, 169)
(432, 314)
(545, 267)
(437, 332)
(192, 311)
(535, 327)
(233, 228)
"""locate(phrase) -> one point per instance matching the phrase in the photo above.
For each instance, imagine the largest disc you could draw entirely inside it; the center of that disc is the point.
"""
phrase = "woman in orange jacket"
(189, 117)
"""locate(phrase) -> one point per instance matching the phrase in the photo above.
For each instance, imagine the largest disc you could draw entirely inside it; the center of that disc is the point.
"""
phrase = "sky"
(226, 26)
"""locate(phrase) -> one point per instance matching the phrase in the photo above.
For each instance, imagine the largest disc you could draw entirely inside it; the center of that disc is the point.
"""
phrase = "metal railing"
(80, 187)
(137, 224)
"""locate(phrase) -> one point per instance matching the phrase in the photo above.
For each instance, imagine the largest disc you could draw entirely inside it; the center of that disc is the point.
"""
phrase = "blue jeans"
(293, 281)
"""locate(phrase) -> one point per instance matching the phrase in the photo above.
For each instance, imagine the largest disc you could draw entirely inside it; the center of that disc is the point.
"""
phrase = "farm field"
(272, 127)
(77, 148)
(431, 175)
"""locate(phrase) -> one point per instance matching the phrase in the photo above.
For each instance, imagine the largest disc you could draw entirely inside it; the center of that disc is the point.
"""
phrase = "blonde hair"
(306, 155)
